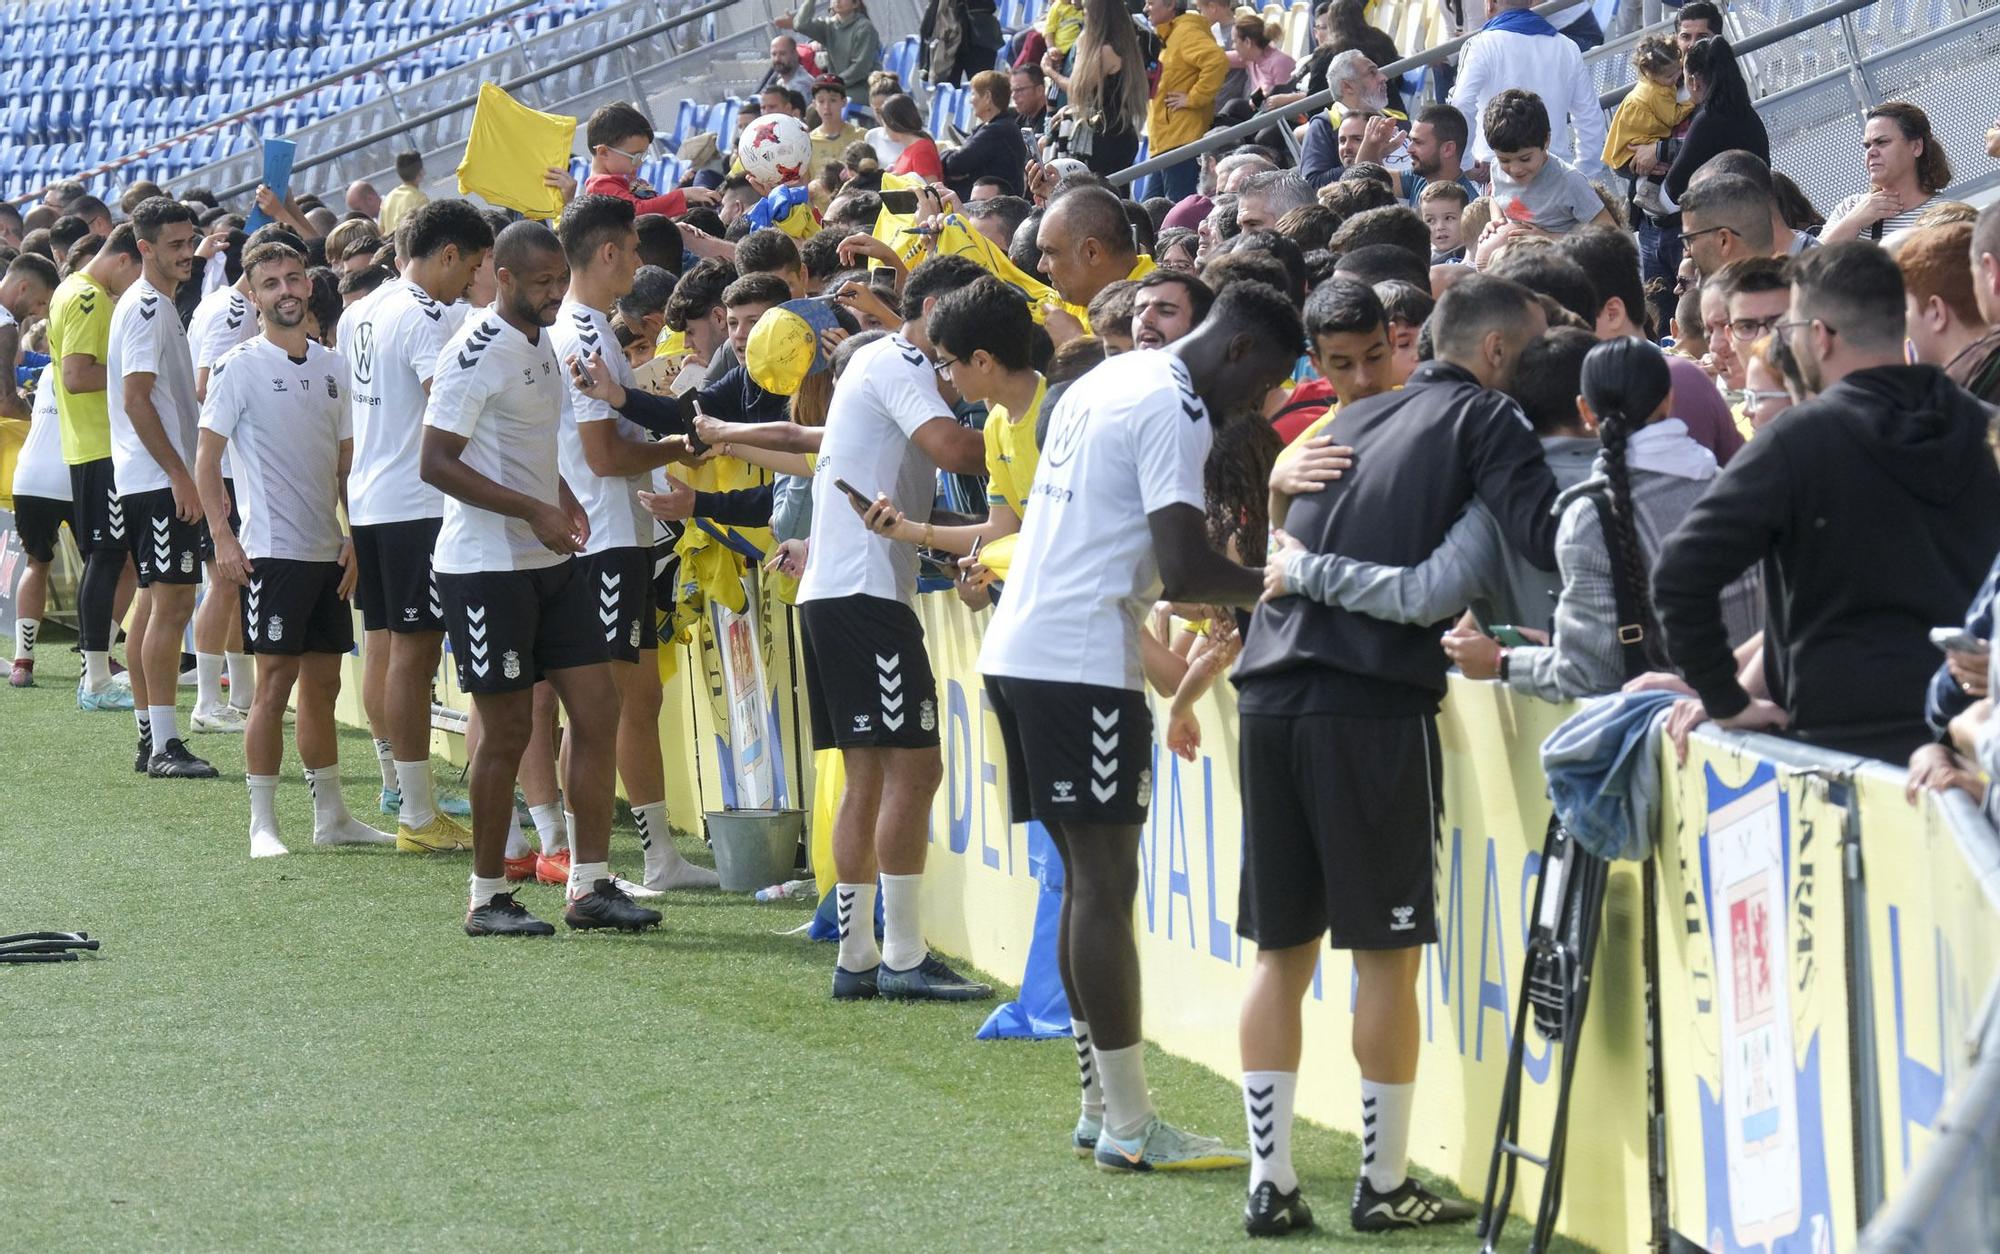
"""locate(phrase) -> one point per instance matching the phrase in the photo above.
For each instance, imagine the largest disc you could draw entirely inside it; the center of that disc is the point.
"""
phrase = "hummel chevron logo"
(910, 354)
(1104, 744)
(148, 306)
(251, 596)
(234, 324)
(845, 902)
(1105, 719)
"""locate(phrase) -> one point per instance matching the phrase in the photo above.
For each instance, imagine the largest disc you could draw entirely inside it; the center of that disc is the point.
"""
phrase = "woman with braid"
(1649, 474)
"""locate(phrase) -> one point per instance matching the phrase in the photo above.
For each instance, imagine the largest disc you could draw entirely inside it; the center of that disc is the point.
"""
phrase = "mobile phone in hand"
(1957, 640)
(860, 502)
(1509, 637)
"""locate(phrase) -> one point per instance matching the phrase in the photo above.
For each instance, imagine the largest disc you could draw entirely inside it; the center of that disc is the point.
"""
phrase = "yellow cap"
(784, 346)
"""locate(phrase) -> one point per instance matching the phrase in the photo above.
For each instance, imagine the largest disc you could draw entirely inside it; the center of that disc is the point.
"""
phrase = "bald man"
(1086, 244)
(363, 198)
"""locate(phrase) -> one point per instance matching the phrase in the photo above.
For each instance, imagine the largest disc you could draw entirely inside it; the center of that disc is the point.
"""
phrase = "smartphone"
(1509, 637)
(1957, 640)
(860, 502)
(899, 202)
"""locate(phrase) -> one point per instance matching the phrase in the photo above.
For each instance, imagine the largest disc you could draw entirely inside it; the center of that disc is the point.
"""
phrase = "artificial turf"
(306, 1052)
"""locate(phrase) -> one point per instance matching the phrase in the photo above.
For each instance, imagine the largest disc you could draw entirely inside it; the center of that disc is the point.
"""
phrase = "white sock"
(385, 757)
(1385, 1134)
(1267, 1105)
(549, 827)
(583, 877)
(1127, 1102)
(207, 681)
(96, 669)
(329, 807)
(517, 844)
(264, 839)
(569, 831)
(25, 631)
(1086, 1070)
(263, 802)
(902, 925)
(332, 824)
(854, 909)
(161, 718)
(485, 890)
(665, 867)
(242, 680)
(419, 802)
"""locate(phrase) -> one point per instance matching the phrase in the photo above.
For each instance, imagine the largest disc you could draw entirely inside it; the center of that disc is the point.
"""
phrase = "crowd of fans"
(1494, 382)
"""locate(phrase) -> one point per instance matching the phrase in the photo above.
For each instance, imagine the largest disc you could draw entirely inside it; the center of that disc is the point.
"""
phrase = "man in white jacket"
(1518, 48)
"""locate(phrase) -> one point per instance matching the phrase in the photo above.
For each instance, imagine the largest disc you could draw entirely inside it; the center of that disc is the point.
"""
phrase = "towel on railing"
(1604, 772)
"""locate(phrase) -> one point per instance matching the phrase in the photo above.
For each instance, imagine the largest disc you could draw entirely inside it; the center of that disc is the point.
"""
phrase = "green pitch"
(306, 1053)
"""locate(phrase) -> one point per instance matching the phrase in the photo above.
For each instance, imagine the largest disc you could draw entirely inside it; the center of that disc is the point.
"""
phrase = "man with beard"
(1340, 760)
(1361, 88)
(520, 608)
(279, 402)
(1886, 473)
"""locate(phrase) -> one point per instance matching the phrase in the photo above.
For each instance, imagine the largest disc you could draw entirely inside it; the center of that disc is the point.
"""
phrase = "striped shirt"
(1887, 226)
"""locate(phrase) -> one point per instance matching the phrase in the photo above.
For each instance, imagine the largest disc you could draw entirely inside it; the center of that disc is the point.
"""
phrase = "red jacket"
(673, 204)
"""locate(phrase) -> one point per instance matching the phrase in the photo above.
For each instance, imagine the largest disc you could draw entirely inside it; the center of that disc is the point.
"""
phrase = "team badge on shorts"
(635, 633)
(927, 715)
(274, 630)
(187, 563)
(510, 664)
(1146, 787)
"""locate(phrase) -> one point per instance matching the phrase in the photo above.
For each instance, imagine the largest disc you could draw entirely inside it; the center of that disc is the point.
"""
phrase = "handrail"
(1765, 38)
(1311, 104)
(341, 76)
(443, 111)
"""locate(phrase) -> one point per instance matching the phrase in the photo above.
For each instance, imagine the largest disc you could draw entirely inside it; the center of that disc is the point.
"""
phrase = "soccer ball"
(775, 149)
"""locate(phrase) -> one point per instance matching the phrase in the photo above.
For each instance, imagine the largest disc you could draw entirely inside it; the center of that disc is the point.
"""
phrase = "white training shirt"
(504, 395)
(1126, 440)
(223, 320)
(284, 419)
(886, 393)
(147, 338)
(617, 520)
(40, 470)
(391, 342)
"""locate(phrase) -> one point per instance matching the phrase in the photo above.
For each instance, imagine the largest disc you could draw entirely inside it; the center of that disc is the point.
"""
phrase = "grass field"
(307, 1053)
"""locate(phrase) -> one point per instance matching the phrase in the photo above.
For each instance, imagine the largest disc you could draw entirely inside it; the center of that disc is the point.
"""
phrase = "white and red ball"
(775, 149)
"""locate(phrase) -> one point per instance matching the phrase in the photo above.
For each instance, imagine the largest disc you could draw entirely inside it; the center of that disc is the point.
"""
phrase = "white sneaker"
(223, 718)
(265, 844)
(677, 872)
(635, 890)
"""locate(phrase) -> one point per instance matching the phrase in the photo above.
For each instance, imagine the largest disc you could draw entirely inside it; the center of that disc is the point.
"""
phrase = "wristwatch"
(1504, 653)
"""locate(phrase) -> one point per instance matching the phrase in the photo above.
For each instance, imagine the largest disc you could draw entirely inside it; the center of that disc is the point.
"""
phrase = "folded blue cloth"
(1604, 773)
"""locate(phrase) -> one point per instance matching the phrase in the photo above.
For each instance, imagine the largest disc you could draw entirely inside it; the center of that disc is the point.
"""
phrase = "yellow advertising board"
(1933, 952)
(1753, 1005)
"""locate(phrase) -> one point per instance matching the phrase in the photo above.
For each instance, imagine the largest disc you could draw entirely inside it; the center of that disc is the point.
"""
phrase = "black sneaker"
(173, 761)
(1410, 1206)
(1270, 1213)
(145, 757)
(606, 905)
(503, 916)
(930, 980)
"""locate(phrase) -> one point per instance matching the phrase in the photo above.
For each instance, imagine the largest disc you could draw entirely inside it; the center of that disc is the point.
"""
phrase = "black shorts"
(39, 520)
(509, 628)
(292, 607)
(97, 517)
(868, 675)
(622, 581)
(1089, 757)
(168, 550)
(396, 591)
(1339, 830)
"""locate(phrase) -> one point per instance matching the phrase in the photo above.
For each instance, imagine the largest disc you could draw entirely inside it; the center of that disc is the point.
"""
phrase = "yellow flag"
(510, 147)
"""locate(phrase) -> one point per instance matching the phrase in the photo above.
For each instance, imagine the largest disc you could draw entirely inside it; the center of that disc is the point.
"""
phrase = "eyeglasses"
(943, 367)
(1785, 328)
(1750, 398)
(634, 157)
(1707, 230)
(1753, 328)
